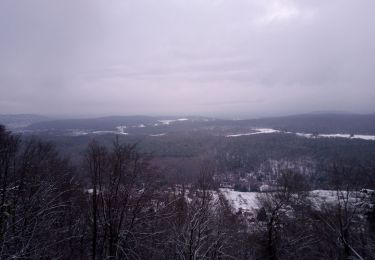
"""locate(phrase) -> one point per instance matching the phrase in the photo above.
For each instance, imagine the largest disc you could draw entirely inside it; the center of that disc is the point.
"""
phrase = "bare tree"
(35, 185)
(124, 201)
(282, 216)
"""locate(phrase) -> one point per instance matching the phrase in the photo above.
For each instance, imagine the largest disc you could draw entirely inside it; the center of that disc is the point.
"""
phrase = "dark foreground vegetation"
(115, 205)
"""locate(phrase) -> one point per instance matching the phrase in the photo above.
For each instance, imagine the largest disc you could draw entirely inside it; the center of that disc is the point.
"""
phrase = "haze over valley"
(187, 129)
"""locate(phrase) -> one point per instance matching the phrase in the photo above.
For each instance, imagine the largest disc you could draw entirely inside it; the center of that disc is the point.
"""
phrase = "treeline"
(247, 154)
(123, 208)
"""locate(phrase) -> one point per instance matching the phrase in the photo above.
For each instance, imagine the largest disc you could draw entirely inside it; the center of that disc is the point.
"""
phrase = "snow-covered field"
(248, 201)
(257, 131)
(364, 137)
(155, 135)
(78, 133)
(109, 132)
(121, 128)
(348, 136)
(169, 121)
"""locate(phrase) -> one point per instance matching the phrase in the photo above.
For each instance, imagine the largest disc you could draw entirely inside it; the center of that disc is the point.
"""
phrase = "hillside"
(305, 123)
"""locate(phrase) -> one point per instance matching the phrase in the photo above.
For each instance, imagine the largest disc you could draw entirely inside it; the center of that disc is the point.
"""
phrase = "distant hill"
(109, 123)
(314, 123)
(319, 123)
(102, 123)
(15, 121)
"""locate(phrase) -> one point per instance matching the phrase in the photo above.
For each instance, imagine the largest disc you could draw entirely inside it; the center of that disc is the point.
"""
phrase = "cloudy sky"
(209, 57)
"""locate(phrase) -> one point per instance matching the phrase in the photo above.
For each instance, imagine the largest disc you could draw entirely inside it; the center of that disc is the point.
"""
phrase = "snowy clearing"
(78, 133)
(305, 135)
(121, 128)
(109, 132)
(348, 136)
(169, 121)
(246, 201)
(162, 134)
(257, 131)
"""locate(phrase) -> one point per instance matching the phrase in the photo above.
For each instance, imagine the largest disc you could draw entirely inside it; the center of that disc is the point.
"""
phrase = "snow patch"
(169, 121)
(246, 201)
(365, 137)
(348, 136)
(257, 131)
(109, 132)
(162, 134)
(121, 128)
(335, 135)
(305, 135)
(78, 133)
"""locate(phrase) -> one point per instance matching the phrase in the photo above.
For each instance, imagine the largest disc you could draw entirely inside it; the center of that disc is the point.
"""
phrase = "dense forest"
(115, 204)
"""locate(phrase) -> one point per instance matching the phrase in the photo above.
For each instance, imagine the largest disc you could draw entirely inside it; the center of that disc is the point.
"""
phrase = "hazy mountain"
(14, 121)
(102, 123)
(331, 123)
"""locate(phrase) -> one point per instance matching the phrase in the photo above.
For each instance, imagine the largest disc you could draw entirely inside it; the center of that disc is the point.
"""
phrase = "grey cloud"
(214, 57)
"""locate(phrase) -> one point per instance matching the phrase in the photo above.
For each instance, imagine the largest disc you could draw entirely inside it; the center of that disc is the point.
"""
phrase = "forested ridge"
(115, 204)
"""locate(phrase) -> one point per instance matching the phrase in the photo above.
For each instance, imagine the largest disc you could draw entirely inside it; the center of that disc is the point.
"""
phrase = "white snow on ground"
(238, 135)
(318, 197)
(162, 134)
(303, 135)
(257, 131)
(168, 122)
(78, 133)
(109, 132)
(247, 201)
(141, 125)
(364, 137)
(121, 128)
(334, 135)
(270, 131)
(165, 122)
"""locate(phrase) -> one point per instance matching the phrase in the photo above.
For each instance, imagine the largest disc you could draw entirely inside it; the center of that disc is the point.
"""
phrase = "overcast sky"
(194, 57)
